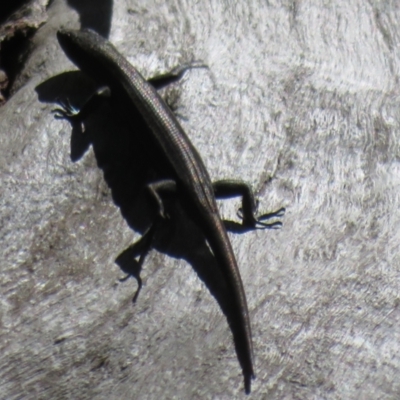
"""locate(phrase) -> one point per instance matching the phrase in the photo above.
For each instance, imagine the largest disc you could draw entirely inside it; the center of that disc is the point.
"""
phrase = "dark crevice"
(94, 14)
(14, 52)
(7, 8)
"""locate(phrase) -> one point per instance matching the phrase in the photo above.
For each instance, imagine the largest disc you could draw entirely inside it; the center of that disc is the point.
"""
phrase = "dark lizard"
(183, 175)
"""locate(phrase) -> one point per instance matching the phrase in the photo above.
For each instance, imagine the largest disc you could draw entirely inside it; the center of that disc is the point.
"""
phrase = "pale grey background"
(301, 99)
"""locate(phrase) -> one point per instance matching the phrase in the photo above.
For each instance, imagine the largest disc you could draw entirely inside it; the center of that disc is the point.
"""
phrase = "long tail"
(238, 316)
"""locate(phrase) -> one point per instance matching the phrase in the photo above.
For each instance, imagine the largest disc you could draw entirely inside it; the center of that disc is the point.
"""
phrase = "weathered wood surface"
(302, 100)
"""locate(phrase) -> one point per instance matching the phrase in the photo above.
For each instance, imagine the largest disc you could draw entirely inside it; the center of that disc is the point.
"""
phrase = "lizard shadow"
(127, 166)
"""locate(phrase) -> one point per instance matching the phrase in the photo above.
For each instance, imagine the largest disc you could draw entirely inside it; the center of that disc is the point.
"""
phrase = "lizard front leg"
(78, 116)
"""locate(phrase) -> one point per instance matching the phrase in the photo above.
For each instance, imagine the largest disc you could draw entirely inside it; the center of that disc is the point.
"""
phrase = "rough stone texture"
(301, 100)
(18, 21)
(28, 14)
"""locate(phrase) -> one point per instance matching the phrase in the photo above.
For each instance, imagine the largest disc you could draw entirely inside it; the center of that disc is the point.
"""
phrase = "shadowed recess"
(94, 14)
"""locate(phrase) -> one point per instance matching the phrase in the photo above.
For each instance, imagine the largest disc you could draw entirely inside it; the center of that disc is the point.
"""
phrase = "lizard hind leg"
(127, 260)
(232, 188)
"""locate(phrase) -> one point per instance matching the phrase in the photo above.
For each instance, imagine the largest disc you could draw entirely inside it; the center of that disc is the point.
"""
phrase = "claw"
(69, 112)
(66, 110)
(180, 70)
(278, 213)
(272, 225)
(59, 113)
(257, 222)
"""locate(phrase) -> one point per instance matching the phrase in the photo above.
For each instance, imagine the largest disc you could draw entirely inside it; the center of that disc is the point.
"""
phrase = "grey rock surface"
(301, 99)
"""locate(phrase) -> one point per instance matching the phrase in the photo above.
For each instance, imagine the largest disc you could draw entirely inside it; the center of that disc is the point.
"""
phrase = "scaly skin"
(99, 59)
